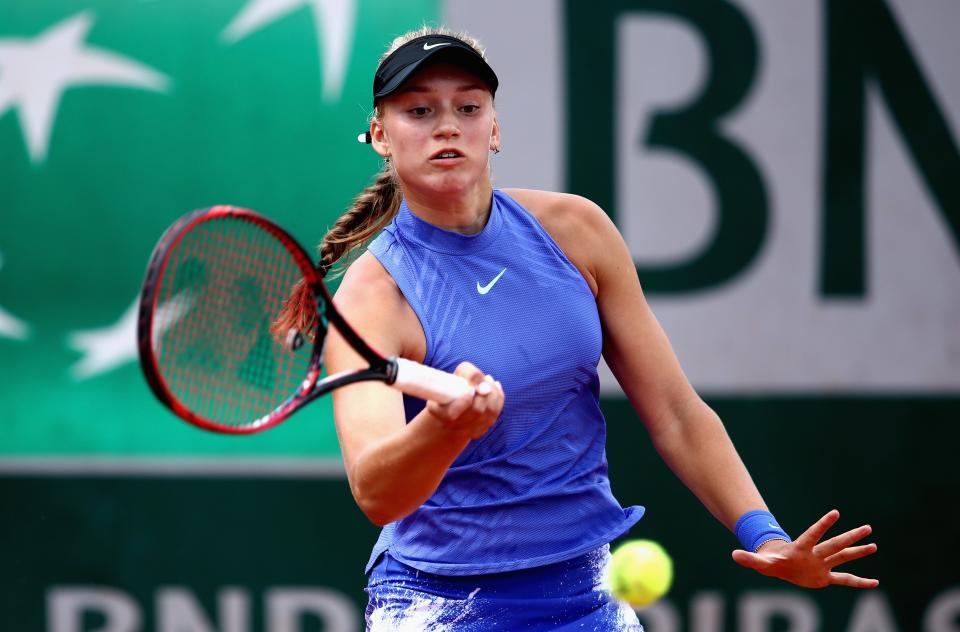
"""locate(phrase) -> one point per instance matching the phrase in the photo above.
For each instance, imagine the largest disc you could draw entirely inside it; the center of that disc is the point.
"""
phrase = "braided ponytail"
(371, 210)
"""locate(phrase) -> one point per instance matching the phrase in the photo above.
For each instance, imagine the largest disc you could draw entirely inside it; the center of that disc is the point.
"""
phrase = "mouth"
(446, 155)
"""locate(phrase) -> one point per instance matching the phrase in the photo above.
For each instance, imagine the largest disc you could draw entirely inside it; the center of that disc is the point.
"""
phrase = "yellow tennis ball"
(640, 572)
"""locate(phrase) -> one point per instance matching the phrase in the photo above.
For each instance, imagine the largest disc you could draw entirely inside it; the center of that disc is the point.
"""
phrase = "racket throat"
(391, 369)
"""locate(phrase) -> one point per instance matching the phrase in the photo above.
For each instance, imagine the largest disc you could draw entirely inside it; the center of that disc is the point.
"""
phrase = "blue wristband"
(756, 527)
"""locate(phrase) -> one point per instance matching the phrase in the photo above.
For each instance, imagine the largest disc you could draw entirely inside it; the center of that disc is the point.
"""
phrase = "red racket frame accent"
(148, 307)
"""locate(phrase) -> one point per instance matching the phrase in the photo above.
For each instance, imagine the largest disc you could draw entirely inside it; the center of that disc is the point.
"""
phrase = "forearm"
(696, 447)
(393, 476)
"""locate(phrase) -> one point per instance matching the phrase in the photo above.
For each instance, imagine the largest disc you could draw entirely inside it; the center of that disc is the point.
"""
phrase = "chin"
(452, 184)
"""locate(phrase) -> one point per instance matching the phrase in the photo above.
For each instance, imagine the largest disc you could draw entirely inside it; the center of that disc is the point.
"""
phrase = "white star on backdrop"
(333, 22)
(10, 325)
(34, 74)
(108, 347)
(105, 348)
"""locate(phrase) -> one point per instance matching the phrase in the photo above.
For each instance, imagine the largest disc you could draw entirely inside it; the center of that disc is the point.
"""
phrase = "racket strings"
(226, 282)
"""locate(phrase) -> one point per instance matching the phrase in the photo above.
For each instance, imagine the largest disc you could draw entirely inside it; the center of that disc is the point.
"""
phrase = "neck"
(462, 213)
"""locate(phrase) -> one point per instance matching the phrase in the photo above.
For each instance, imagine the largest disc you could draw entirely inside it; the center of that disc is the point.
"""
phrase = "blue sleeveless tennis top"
(534, 489)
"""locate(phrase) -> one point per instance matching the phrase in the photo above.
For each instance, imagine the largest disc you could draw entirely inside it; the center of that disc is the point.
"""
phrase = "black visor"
(404, 61)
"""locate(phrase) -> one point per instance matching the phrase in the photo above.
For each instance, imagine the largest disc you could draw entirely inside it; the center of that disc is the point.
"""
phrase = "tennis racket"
(217, 282)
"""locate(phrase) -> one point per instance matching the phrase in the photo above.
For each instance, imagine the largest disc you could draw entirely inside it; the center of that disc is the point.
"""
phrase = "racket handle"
(426, 382)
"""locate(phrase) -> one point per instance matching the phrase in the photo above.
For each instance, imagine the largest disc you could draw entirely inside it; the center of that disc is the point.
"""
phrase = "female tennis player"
(496, 507)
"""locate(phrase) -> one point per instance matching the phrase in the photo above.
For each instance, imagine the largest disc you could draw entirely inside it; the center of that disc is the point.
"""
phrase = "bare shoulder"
(365, 283)
(559, 210)
(580, 227)
(371, 302)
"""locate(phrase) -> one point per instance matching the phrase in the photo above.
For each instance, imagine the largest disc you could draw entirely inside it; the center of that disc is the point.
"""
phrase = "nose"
(447, 126)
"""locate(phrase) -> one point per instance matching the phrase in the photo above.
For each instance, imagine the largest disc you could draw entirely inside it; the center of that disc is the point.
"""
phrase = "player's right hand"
(474, 413)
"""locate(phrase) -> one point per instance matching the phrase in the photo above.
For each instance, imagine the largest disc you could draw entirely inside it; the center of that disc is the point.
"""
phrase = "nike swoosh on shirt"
(429, 46)
(483, 289)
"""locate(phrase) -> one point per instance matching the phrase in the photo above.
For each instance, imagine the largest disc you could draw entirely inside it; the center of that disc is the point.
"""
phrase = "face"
(438, 130)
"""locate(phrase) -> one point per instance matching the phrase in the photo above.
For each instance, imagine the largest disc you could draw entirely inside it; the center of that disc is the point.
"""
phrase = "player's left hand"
(808, 562)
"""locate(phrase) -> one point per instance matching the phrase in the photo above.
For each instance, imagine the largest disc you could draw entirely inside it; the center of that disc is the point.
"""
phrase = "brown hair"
(372, 209)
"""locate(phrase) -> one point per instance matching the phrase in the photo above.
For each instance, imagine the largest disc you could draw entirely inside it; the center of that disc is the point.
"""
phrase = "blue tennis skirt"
(565, 596)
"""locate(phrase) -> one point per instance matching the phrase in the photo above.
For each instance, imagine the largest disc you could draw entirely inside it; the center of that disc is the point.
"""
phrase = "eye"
(419, 111)
(470, 109)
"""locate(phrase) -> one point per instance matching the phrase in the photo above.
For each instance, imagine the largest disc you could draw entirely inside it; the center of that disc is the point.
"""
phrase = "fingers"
(811, 536)
(486, 395)
(850, 554)
(487, 404)
(838, 543)
(474, 413)
(852, 581)
(474, 378)
(483, 385)
(469, 372)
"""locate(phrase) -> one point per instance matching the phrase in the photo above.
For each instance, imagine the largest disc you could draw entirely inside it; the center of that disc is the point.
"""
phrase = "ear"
(378, 138)
(495, 135)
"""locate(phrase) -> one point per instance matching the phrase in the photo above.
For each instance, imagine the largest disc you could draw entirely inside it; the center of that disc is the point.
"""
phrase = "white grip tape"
(425, 382)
